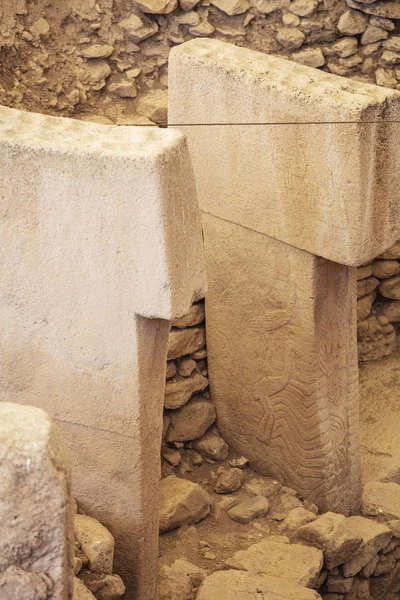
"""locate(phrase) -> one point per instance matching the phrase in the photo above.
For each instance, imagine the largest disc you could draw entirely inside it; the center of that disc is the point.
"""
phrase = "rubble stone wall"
(110, 57)
(378, 307)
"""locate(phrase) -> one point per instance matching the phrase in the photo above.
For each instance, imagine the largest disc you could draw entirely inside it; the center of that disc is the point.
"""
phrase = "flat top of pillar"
(35, 130)
(292, 78)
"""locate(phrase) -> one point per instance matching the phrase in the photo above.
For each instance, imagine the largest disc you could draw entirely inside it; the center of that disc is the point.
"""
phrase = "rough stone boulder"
(301, 564)
(249, 509)
(96, 542)
(381, 499)
(232, 585)
(177, 581)
(388, 9)
(179, 391)
(332, 533)
(374, 536)
(182, 503)
(212, 446)
(191, 421)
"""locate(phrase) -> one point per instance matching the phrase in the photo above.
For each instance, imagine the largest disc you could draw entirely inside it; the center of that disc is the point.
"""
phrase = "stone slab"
(281, 327)
(301, 564)
(95, 222)
(35, 504)
(231, 585)
(332, 190)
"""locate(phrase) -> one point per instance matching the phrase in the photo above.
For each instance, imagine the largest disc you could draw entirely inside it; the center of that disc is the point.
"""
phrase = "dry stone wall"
(378, 306)
(110, 57)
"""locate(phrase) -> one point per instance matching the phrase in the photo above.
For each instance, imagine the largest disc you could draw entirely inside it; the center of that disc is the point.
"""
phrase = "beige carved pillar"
(101, 249)
(288, 212)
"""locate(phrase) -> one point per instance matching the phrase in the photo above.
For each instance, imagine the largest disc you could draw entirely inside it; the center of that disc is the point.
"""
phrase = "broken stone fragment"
(301, 564)
(195, 316)
(303, 8)
(185, 341)
(375, 537)
(182, 503)
(312, 57)
(228, 585)
(338, 584)
(97, 51)
(390, 288)
(171, 369)
(381, 499)
(212, 446)
(268, 6)
(389, 9)
(154, 106)
(295, 519)
(103, 586)
(385, 268)
(332, 534)
(172, 456)
(186, 366)
(364, 306)
(177, 582)
(138, 29)
(393, 252)
(81, 592)
(95, 72)
(229, 481)
(373, 34)
(231, 7)
(291, 38)
(123, 89)
(262, 486)
(96, 542)
(191, 421)
(366, 286)
(179, 391)
(352, 22)
(157, 7)
(252, 508)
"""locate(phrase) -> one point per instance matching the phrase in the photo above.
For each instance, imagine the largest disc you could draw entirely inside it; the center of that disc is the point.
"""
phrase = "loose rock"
(229, 481)
(96, 542)
(252, 508)
(182, 503)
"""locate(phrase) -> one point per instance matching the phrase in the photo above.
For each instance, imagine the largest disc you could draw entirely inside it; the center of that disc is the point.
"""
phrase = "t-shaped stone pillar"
(36, 541)
(101, 249)
(284, 208)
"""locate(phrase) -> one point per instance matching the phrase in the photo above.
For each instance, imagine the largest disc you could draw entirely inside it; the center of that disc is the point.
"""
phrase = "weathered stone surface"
(376, 338)
(389, 9)
(291, 38)
(96, 542)
(381, 499)
(385, 268)
(154, 106)
(212, 446)
(352, 23)
(138, 29)
(191, 421)
(182, 503)
(111, 282)
(392, 253)
(35, 505)
(176, 582)
(185, 341)
(195, 316)
(303, 8)
(345, 47)
(295, 519)
(336, 228)
(231, 7)
(373, 34)
(338, 584)
(229, 481)
(390, 288)
(332, 533)
(301, 564)
(249, 509)
(179, 391)
(312, 57)
(366, 286)
(97, 51)
(81, 592)
(262, 486)
(171, 369)
(227, 584)
(103, 586)
(186, 366)
(374, 537)
(157, 7)
(364, 306)
(268, 6)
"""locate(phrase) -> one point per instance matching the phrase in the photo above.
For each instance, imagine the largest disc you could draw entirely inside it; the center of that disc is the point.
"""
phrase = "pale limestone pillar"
(101, 249)
(281, 321)
(36, 527)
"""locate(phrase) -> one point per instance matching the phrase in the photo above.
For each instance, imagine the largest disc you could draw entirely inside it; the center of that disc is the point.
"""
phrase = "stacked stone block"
(188, 412)
(378, 306)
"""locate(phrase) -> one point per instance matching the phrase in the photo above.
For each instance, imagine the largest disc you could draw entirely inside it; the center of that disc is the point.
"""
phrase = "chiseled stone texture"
(35, 504)
(321, 202)
(293, 411)
(98, 219)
